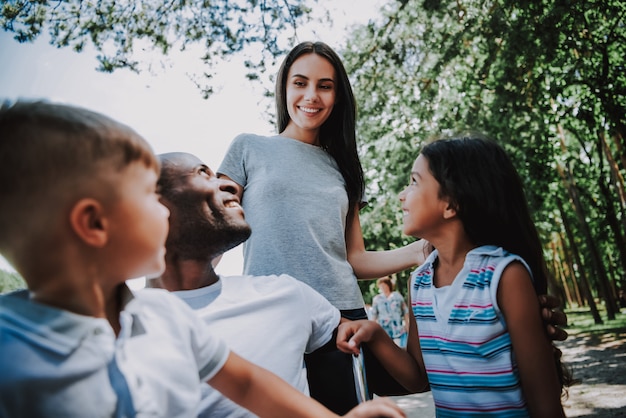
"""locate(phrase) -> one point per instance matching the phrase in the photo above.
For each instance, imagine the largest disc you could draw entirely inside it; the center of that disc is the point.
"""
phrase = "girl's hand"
(379, 407)
(351, 334)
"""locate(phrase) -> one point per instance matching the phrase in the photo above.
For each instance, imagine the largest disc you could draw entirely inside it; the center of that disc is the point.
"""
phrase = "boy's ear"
(450, 211)
(88, 222)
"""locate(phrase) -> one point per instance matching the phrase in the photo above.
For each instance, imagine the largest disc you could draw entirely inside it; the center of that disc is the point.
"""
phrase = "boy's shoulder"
(22, 315)
(43, 344)
(47, 329)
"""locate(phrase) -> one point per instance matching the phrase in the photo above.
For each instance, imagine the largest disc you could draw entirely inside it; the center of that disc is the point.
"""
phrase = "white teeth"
(232, 204)
(309, 110)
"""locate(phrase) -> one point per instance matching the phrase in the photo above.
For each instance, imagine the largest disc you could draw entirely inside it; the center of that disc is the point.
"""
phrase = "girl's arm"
(405, 311)
(407, 367)
(265, 394)
(533, 352)
(374, 264)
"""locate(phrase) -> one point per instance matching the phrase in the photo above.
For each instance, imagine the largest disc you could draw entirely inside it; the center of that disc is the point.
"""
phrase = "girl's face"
(423, 210)
(310, 94)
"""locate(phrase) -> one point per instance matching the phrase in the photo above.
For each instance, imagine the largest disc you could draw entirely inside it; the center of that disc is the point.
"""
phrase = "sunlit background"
(163, 105)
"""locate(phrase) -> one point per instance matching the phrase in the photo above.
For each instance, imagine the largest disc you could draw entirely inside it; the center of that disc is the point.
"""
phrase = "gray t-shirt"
(296, 203)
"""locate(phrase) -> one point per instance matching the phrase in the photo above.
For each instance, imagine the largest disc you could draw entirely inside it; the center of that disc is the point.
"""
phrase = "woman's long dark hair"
(337, 134)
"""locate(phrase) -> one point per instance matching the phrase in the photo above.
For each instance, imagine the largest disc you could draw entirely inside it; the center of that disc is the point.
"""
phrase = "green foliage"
(119, 30)
(546, 79)
(10, 281)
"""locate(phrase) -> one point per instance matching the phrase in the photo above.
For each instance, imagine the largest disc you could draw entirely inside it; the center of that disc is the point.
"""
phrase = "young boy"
(79, 214)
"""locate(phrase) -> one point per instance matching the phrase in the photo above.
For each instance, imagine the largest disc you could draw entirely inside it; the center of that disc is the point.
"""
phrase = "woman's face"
(310, 93)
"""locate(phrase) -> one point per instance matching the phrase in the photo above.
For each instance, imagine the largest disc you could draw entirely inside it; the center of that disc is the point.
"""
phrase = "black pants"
(331, 379)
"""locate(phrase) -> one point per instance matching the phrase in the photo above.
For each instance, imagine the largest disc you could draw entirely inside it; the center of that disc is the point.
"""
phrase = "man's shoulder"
(289, 282)
(157, 300)
(271, 280)
(274, 284)
(150, 296)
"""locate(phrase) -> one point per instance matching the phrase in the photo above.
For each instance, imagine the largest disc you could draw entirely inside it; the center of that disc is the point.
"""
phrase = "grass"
(580, 320)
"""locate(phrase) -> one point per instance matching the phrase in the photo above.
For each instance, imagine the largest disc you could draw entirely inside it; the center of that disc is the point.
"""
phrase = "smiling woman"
(307, 205)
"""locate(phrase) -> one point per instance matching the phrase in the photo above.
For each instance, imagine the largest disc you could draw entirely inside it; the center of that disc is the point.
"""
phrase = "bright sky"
(166, 108)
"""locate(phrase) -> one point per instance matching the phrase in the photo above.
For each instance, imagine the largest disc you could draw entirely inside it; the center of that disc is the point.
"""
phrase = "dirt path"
(597, 359)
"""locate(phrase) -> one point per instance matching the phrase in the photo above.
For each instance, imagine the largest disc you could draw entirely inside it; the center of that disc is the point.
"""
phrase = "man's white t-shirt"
(269, 320)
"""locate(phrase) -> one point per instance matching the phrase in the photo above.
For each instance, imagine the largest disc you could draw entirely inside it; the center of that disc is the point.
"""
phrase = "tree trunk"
(567, 257)
(617, 139)
(584, 282)
(557, 264)
(579, 298)
(596, 260)
(618, 183)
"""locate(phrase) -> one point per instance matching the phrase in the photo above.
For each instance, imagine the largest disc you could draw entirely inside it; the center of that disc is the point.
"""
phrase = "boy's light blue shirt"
(56, 363)
(53, 361)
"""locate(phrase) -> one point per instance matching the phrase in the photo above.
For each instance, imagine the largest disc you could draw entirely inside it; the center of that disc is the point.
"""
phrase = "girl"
(481, 338)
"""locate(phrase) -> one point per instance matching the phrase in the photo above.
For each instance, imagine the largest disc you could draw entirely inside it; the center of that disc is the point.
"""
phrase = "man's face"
(206, 218)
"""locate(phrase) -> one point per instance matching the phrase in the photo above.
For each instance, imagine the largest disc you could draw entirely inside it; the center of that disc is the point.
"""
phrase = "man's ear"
(88, 222)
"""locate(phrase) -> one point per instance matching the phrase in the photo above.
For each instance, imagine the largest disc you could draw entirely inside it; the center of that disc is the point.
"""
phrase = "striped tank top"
(465, 344)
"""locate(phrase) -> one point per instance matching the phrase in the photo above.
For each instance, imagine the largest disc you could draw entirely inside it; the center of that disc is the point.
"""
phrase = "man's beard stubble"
(200, 239)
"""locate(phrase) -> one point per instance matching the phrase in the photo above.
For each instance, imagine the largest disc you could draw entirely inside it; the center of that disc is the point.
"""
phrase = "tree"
(532, 75)
(120, 30)
(10, 281)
